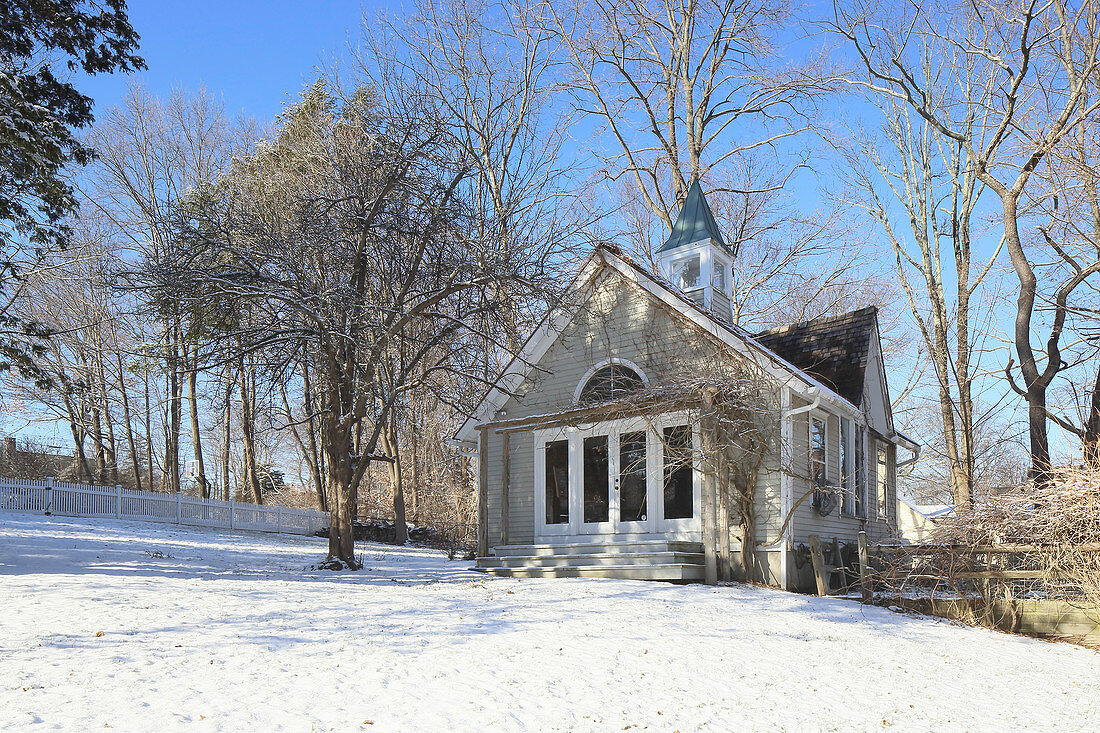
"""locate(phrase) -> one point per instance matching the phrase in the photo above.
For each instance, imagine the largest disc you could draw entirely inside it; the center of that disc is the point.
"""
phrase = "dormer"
(695, 259)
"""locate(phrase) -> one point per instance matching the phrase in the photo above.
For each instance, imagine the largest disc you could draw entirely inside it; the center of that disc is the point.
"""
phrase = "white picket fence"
(51, 496)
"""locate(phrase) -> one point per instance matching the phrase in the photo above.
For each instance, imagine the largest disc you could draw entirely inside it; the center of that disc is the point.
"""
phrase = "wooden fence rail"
(50, 496)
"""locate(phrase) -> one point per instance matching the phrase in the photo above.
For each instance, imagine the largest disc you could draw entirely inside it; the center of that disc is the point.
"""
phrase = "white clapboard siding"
(41, 496)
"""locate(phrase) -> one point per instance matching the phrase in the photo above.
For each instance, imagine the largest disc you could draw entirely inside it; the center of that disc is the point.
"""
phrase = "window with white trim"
(848, 504)
(882, 482)
(611, 382)
(819, 473)
(860, 472)
(687, 273)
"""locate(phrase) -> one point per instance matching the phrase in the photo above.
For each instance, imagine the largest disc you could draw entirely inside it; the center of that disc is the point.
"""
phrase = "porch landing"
(644, 560)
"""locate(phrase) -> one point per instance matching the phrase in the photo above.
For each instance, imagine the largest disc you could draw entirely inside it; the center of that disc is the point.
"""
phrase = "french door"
(623, 476)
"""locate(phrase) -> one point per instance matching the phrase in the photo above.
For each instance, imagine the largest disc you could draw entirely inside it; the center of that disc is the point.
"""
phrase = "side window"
(818, 472)
(848, 506)
(687, 273)
(860, 473)
(881, 480)
(718, 278)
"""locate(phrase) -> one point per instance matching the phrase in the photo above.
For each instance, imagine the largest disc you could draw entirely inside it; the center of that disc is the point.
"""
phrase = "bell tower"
(695, 259)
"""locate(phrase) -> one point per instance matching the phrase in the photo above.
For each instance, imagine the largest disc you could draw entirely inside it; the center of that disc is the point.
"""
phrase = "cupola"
(695, 259)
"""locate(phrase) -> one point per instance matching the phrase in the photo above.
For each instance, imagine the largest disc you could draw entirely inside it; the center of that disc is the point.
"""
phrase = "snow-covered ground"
(231, 631)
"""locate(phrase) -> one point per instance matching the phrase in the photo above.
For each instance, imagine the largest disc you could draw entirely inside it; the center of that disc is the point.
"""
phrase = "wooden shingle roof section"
(833, 349)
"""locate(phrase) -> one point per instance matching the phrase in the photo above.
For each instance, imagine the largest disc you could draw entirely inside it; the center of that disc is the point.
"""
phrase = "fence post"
(232, 511)
(865, 569)
(49, 495)
(118, 501)
(179, 507)
(279, 520)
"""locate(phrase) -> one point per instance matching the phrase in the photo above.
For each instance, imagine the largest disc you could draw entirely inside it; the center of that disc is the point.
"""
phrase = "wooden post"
(865, 569)
(179, 507)
(710, 481)
(232, 511)
(820, 573)
(725, 564)
(483, 494)
(279, 519)
(118, 501)
(506, 479)
(49, 495)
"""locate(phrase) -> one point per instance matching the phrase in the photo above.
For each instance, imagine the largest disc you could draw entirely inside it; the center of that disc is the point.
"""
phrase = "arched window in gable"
(610, 382)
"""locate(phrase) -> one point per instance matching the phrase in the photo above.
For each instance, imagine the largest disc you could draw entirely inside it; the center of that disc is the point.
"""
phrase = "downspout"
(909, 461)
(785, 498)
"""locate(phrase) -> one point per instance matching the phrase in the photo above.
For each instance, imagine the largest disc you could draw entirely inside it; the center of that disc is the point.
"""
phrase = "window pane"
(882, 481)
(678, 473)
(557, 482)
(595, 462)
(687, 273)
(718, 281)
(632, 489)
(611, 382)
(849, 506)
(817, 453)
(860, 474)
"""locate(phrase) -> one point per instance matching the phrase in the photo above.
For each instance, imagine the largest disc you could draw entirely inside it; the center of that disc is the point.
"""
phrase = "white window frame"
(655, 521)
(600, 365)
(882, 480)
(847, 464)
(822, 418)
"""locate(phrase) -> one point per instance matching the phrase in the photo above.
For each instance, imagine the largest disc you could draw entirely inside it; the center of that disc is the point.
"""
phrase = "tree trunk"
(336, 442)
(111, 447)
(252, 477)
(1035, 384)
(227, 429)
(389, 443)
(316, 467)
(174, 415)
(130, 442)
(149, 432)
(196, 435)
(1092, 427)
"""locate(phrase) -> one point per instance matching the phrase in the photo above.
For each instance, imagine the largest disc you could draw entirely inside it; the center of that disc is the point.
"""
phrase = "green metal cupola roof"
(695, 222)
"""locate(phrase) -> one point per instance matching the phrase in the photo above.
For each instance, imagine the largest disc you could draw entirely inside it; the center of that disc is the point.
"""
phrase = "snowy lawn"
(229, 631)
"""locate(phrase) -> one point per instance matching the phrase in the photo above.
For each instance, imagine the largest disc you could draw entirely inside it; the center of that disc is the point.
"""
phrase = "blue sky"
(255, 54)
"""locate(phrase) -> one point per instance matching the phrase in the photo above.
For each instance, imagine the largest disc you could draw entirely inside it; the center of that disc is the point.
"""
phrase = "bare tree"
(1015, 85)
(153, 154)
(348, 236)
(938, 189)
(682, 87)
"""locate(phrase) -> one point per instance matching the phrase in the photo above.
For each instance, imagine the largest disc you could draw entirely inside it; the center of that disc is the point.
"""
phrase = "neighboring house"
(917, 522)
(29, 461)
(599, 449)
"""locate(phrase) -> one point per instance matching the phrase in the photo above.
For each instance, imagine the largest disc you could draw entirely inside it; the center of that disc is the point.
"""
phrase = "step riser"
(663, 558)
(629, 548)
(673, 573)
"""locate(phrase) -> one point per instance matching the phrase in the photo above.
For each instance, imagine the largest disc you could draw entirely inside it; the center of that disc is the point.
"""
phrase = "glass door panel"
(557, 483)
(678, 474)
(596, 468)
(633, 503)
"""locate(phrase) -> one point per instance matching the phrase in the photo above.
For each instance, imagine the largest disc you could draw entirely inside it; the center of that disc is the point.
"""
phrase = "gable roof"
(695, 222)
(555, 322)
(834, 349)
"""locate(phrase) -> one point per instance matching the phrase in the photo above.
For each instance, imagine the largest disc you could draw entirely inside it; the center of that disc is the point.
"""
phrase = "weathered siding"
(618, 322)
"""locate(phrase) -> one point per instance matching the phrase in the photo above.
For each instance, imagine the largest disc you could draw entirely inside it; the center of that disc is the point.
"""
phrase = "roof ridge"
(775, 330)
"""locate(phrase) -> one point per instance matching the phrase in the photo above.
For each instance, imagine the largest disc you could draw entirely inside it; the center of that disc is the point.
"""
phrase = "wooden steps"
(641, 560)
